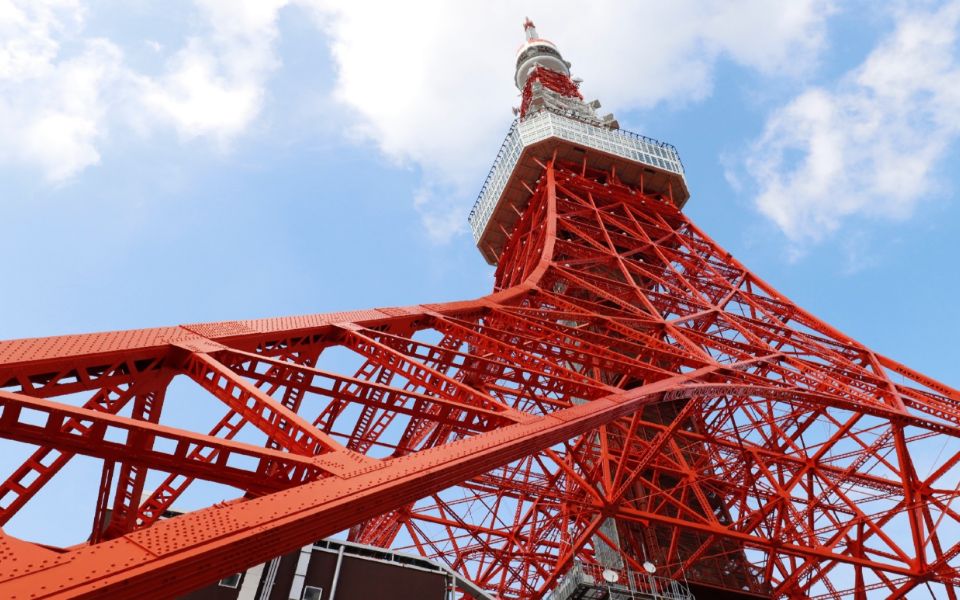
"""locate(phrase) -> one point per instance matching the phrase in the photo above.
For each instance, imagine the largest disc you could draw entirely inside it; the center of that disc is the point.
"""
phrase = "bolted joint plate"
(534, 139)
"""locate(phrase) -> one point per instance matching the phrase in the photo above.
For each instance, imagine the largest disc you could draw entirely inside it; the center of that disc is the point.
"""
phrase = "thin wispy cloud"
(428, 86)
(215, 84)
(63, 92)
(430, 83)
(52, 109)
(870, 145)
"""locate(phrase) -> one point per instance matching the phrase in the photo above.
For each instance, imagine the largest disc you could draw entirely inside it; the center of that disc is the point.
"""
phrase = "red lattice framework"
(625, 367)
(553, 81)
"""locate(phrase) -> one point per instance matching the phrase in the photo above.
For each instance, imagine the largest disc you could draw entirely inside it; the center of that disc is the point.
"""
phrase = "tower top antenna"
(529, 29)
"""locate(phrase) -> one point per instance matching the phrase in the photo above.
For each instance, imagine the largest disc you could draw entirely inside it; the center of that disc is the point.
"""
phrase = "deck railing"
(544, 124)
(586, 580)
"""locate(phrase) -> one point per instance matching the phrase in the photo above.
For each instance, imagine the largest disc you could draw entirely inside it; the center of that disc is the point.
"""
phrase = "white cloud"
(27, 35)
(57, 106)
(198, 99)
(51, 112)
(61, 136)
(441, 219)
(215, 85)
(870, 144)
(430, 82)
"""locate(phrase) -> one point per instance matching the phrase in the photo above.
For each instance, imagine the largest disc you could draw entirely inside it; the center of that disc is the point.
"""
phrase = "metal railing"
(586, 580)
(546, 123)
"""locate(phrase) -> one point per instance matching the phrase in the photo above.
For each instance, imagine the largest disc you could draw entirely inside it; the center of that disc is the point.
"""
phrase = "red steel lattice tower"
(629, 393)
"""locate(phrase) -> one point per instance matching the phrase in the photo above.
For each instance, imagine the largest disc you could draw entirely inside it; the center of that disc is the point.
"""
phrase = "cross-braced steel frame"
(625, 367)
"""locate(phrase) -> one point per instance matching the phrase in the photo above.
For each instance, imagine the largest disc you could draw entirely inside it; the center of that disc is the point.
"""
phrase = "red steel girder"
(626, 368)
(114, 438)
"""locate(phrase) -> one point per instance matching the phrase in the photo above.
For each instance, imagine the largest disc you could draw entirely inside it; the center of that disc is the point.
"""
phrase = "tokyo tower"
(630, 413)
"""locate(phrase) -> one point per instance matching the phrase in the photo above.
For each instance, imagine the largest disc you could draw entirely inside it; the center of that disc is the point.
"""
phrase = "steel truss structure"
(625, 367)
(629, 393)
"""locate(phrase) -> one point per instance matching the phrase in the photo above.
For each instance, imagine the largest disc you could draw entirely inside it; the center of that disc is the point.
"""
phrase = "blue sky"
(179, 162)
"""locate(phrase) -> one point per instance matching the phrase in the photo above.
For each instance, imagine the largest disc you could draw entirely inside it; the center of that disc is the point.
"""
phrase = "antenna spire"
(530, 29)
(543, 78)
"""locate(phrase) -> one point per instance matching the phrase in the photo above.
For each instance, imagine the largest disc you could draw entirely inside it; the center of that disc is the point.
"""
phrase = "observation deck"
(650, 166)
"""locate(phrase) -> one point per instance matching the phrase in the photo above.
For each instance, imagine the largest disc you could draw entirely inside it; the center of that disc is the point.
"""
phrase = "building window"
(231, 582)
(312, 592)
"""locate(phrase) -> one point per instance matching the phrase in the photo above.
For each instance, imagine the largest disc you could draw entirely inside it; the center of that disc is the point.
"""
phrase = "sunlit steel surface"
(628, 393)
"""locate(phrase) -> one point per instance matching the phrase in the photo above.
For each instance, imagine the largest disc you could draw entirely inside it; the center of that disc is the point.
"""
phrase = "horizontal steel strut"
(625, 367)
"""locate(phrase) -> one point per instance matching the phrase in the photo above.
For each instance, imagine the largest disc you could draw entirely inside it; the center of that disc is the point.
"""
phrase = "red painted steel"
(553, 81)
(625, 366)
(629, 389)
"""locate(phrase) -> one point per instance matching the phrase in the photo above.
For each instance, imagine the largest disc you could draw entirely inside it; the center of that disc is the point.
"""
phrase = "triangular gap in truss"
(68, 523)
(188, 406)
(191, 408)
(339, 359)
(48, 518)
(375, 415)
(476, 517)
(836, 485)
(334, 412)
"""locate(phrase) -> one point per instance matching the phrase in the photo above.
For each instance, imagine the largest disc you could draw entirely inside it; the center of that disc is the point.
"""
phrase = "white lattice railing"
(546, 124)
